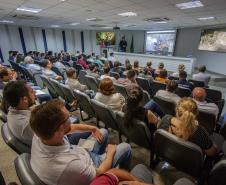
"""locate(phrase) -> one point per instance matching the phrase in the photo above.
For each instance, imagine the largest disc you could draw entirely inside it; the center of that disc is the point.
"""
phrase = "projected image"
(213, 40)
(107, 37)
(160, 42)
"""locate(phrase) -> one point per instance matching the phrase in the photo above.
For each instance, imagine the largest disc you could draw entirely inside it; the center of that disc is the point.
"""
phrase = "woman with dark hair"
(134, 110)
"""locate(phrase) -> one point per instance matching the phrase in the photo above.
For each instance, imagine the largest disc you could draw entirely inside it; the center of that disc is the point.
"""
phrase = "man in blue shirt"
(182, 82)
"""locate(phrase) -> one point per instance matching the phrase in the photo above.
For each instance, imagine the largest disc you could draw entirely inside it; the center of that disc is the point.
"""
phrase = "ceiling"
(56, 12)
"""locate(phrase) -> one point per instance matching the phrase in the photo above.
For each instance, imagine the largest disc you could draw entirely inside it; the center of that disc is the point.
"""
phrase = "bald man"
(199, 95)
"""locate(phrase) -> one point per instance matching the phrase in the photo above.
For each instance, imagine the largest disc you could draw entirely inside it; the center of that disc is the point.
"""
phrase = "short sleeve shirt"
(200, 136)
(49, 73)
(105, 179)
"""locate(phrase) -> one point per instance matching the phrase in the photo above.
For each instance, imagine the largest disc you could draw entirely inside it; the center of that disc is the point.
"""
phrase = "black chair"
(14, 143)
(49, 86)
(56, 85)
(67, 92)
(105, 114)
(217, 174)
(167, 107)
(84, 104)
(81, 76)
(207, 120)
(57, 71)
(115, 75)
(183, 155)
(146, 97)
(38, 80)
(155, 86)
(91, 82)
(121, 89)
(78, 67)
(213, 94)
(183, 92)
(144, 84)
(3, 116)
(173, 78)
(197, 83)
(24, 171)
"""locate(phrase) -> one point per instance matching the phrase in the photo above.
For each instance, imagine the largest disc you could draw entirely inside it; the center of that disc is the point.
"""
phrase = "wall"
(10, 40)
(187, 44)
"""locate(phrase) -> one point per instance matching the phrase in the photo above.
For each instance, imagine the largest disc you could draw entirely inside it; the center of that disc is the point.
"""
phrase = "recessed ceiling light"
(205, 18)
(62, 0)
(128, 14)
(28, 9)
(6, 21)
(74, 23)
(55, 26)
(91, 19)
(190, 4)
(161, 22)
(163, 31)
(107, 27)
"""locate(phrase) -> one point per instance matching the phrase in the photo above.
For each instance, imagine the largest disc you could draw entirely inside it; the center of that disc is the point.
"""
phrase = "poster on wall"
(108, 38)
(213, 40)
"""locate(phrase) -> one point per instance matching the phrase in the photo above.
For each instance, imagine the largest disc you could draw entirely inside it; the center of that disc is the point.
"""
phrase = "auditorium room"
(112, 92)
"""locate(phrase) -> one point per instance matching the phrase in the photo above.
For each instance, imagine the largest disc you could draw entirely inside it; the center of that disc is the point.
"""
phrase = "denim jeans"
(74, 138)
(154, 107)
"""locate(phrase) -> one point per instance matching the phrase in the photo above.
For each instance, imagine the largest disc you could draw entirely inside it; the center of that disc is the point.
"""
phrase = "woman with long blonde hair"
(185, 126)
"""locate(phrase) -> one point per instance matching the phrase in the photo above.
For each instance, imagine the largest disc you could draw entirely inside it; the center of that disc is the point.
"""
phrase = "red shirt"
(105, 179)
(83, 64)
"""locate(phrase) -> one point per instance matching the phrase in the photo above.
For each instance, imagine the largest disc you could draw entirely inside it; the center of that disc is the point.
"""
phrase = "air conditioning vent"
(157, 19)
(25, 17)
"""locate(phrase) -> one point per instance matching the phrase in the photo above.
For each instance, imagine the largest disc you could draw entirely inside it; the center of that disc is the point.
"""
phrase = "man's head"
(199, 94)
(171, 85)
(50, 120)
(182, 75)
(19, 95)
(47, 64)
(163, 74)
(28, 60)
(131, 74)
(92, 67)
(111, 54)
(71, 73)
(116, 64)
(5, 75)
(128, 67)
(149, 63)
(202, 69)
(161, 65)
(181, 67)
(106, 69)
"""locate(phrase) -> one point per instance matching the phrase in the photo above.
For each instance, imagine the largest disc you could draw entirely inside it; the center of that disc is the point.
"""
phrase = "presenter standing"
(123, 44)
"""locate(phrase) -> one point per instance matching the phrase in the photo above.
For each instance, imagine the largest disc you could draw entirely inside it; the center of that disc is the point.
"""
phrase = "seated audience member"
(98, 61)
(183, 82)
(107, 96)
(117, 69)
(128, 67)
(136, 66)
(185, 126)
(103, 57)
(181, 68)
(145, 74)
(162, 77)
(48, 72)
(134, 110)
(167, 95)
(6, 75)
(77, 53)
(107, 74)
(160, 68)
(110, 64)
(20, 98)
(199, 95)
(72, 163)
(30, 64)
(82, 62)
(111, 57)
(92, 71)
(93, 55)
(127, 61)
(202, 76)
(150, 70)
(56, 63)
(129, 82)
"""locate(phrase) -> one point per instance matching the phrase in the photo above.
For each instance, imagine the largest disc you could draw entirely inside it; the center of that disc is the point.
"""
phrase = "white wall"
(187, 44)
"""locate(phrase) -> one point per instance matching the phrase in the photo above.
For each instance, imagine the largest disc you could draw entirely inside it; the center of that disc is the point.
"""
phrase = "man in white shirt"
(202, 76)
(107, 74)
(56, 162)
(20, 97)
(28, 60)
(199, 95)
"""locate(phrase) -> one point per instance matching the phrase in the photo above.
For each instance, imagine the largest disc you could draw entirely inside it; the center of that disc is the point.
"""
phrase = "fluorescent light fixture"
(91, 19)
(164, 31)
(205, 18)
(161, 22)
(6, 21)
(55, 26)
(190, 4)
(107, 27)
(128, 14)
(28, 9)
(74, 23)
(62, 0)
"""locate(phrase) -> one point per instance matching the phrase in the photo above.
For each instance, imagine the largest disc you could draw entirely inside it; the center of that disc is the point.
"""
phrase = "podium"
(106, 51)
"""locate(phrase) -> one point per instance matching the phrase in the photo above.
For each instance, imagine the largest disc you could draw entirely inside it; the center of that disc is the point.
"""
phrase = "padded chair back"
(84, 103)
(207, 120)
(68, 92)
(28, 75)
(197, 83)
(166, 106)
(146, 97)
(38, 80)
(57, 71)
(138, 133)
(115, 75)
(183, 92)
(81, 76)
(213, 95)
(24, 171)
(3, 116)
(183, 155)
(91, 83)
(56, 86)
(217, 174)
(49, 86)
(121, 89)
(157, 86)
(14, 143)
(144, 84)
(104, 114)
(78, 67)
(173, 78)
